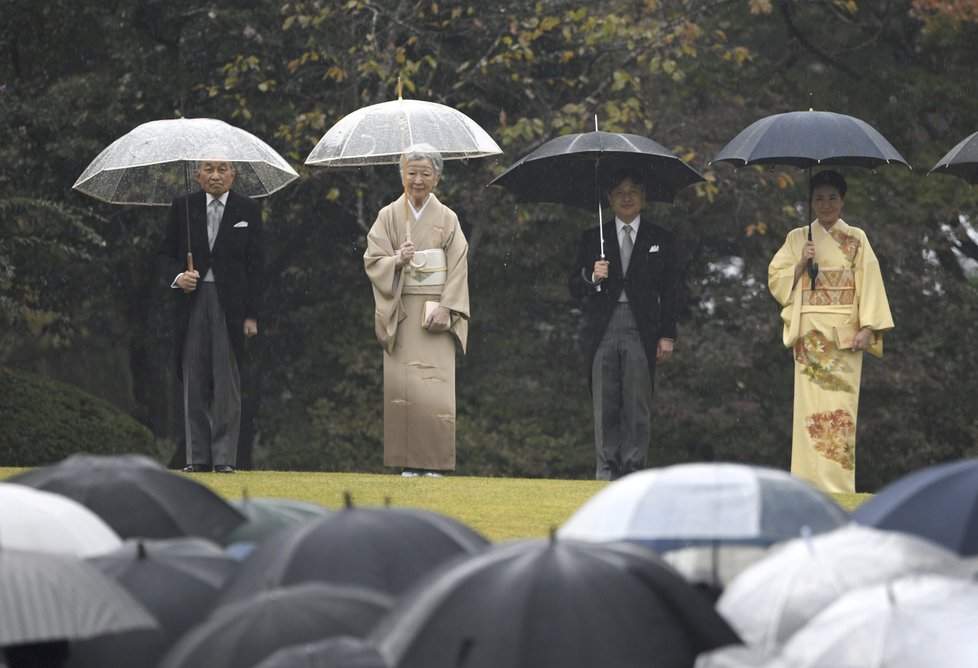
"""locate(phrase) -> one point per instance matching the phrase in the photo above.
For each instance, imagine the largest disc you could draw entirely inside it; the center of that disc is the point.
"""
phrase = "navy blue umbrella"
(807, 139)
(939, 502)
(961, 161)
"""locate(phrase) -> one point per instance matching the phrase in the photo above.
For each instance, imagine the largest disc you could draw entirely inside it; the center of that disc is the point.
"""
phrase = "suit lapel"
(612, 250)
(198, 224)
(640, 250)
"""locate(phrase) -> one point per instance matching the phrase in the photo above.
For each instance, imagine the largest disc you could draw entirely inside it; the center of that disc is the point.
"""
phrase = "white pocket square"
(654, 249)
(243, 223)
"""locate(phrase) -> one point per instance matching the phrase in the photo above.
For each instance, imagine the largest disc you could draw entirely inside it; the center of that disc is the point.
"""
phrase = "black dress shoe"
(196, 468)
(223, 468)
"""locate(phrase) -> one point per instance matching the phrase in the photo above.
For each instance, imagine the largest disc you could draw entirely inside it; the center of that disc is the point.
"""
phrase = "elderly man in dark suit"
(630, 302)
(217, 308)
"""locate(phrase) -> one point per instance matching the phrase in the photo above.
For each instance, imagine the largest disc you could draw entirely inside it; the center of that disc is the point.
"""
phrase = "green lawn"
(498, 508)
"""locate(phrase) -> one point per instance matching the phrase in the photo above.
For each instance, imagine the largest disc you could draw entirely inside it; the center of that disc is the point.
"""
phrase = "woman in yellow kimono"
(828, 327)
(416, 260)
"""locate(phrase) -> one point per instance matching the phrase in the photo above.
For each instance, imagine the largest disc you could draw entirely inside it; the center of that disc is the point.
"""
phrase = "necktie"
(213, 221)
(626, 248)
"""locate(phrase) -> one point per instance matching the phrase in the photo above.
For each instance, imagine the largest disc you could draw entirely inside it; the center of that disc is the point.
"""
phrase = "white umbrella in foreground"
(775, 597)
(911, 622)
(39, 521)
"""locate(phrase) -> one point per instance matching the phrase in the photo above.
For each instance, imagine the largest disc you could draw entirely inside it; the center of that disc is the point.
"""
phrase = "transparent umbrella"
(381, 133)
(151, 164)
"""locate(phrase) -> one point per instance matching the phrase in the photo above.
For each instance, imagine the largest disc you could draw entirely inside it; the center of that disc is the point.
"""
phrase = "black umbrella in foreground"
(807, 139)
(137, 496)
(337, 652)
(961, 161)
(243, 634)
(386, 549)
(549, 604)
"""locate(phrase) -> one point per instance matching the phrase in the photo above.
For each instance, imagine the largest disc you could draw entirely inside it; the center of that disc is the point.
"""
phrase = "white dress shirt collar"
(619, 225)
(223, 198)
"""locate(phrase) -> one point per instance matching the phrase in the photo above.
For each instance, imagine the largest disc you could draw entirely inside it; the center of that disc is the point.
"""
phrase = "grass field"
(498, 508)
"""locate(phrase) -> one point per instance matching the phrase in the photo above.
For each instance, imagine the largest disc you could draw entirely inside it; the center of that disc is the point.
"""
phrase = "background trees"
(81, 301)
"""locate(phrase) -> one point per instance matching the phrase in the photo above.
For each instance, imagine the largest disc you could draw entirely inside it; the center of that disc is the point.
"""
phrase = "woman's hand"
(439, 320)
(405, 255)
(862, 340)
(807, 253)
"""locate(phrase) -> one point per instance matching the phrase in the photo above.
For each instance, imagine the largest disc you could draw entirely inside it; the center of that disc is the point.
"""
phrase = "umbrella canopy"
(548, 603)
(379, 134)
(809, 138)
(244, 633)
(338, 652)
(265, 516)
(775, 597)
(40, 521)
(961, 161)
(939, 502)
(176, 579)
(49, 597)
(911, 622)
(386, 549)
(704, 504)
(573, 169)
(137, 496)
(150, 164)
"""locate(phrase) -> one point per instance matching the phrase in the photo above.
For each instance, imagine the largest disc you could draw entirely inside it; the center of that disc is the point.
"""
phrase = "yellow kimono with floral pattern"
(818, 325)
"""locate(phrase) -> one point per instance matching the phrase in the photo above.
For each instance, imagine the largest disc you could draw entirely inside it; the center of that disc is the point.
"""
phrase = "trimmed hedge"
(43, 421)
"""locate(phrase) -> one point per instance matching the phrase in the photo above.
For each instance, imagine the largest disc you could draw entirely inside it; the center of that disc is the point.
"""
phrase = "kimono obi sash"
(427, 268)
(834, 286)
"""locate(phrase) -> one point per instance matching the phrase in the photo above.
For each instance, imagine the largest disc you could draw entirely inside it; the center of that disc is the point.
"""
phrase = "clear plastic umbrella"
(151, 164)
(381, 133)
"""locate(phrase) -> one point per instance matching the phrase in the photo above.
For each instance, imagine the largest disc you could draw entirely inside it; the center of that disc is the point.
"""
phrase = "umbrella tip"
(811, 102)
(387, 502)
(399, 87)
(140, 550)
(347, 499)
(553, 533)
(244, 492)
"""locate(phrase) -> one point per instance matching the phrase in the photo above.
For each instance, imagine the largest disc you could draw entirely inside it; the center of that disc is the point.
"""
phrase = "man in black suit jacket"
(217, 308)
(631, 323)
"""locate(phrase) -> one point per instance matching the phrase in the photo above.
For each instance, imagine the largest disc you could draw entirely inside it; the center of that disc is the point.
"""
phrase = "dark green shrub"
(43, 421)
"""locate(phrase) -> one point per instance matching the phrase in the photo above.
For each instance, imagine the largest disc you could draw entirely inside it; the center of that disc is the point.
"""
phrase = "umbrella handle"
(190, 261)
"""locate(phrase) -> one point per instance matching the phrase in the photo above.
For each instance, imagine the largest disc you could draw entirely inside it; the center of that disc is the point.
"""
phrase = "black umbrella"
(176, 579)
(242, 634)
(50, 597)
(961, 161)
(806, 139)
(548, 604)
(137, 496)
(386, 549)
(573, 170)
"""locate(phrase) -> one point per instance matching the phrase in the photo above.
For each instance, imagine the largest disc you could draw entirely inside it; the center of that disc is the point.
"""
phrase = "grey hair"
(198, 163)
(424, 152)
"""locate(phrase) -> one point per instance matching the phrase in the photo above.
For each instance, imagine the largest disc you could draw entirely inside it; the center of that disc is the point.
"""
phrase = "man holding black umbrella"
(217, 307)
(630, 300)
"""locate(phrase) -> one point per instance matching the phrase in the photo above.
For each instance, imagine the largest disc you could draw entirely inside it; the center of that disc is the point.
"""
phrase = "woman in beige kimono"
(416, 262)
(828, 327)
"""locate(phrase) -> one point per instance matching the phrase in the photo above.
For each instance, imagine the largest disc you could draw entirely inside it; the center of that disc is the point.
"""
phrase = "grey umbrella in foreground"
(137, 496)
(386, 549)
(807, 139)
(244, 633)
(176, 579)
(551, 604)
(48, 597)
(336, 652)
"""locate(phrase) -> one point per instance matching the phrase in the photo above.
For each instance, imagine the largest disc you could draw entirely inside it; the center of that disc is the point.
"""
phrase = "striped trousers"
(621, 392)
(211, 384)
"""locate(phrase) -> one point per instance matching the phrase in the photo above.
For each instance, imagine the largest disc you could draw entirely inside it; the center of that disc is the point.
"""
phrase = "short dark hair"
(828, 177)
(616, 177)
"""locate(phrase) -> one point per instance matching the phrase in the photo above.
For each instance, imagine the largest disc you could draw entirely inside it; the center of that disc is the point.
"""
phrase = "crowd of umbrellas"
(116, 561)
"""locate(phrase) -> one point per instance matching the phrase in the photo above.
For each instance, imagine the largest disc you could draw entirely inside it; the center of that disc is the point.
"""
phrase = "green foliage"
(44, 421)
(690, 74)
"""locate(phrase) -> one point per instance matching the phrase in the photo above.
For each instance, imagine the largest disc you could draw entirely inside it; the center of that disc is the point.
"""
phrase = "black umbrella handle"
(812, 272)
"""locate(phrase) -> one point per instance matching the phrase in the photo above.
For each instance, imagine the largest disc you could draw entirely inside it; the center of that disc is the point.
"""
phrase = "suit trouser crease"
(622, 398)
(211, 384)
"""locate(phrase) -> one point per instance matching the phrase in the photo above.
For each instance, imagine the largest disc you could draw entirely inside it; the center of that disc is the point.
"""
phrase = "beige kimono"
(419, 366)
(819, 325)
